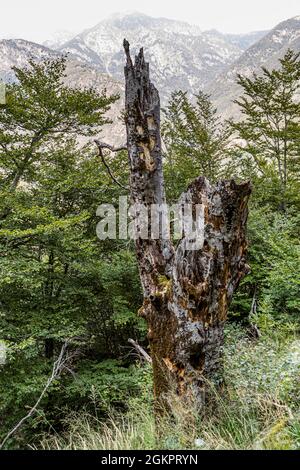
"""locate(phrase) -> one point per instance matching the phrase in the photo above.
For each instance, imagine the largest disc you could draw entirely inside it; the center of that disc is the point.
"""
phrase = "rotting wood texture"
(186, 292)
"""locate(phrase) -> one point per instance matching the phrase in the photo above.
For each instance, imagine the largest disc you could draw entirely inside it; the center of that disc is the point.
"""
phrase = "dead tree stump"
(186, 292)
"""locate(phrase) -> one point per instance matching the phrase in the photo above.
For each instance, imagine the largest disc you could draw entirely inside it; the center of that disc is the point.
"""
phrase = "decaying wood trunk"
(186, 292)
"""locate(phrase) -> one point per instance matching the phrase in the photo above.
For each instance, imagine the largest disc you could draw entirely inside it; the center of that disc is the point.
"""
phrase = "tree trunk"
(186, 292)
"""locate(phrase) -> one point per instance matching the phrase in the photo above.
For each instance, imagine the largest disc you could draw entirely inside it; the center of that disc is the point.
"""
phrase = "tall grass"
(259, 408)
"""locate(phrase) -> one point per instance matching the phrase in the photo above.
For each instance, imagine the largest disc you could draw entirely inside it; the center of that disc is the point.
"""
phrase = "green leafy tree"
(267, 151)
(195, 141)
(273, 255)
(57, 279)
(41, 111)
(269, 131)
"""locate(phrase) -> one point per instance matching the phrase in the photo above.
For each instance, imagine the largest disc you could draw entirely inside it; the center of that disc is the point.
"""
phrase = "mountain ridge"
(180, 55)
(17, 52)
(266, 52)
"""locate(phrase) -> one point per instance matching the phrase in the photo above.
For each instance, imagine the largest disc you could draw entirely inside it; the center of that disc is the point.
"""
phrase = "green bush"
(258, 409)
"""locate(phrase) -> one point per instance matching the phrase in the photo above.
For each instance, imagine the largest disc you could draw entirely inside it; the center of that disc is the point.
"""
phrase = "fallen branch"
(103, 145)
(140, 350)
(58, 366)
(253, 308)
(253, 330)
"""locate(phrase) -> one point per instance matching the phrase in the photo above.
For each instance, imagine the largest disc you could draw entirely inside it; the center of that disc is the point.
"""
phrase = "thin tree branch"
(58, 366)
(253, 330)
(140, 350)
(253, 304)
(103, 145)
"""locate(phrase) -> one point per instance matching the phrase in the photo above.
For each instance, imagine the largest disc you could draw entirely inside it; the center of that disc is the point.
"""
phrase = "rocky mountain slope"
(17, 52)
(180, 55)
(244, 41)
(265, 52)
(58, 39)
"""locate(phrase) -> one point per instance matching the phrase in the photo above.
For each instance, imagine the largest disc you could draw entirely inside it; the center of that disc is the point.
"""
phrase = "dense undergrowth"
(259, 407)
(59, 282)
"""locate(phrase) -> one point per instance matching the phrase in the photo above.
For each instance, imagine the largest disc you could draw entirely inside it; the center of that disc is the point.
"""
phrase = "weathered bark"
(186, 292)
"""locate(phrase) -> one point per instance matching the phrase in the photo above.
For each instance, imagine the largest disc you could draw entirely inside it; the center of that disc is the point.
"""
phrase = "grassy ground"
(259, 409)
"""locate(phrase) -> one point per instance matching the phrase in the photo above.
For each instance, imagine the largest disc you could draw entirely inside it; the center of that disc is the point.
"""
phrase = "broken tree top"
(139, 57)
(140, 94)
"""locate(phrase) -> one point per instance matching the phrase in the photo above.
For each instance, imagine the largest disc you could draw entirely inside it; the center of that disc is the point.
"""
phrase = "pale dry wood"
(140, 350)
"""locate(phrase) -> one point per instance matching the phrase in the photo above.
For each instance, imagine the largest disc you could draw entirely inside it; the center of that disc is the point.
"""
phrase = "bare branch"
(58, 367)
(140, 350)
(103, 145)
(253, 308)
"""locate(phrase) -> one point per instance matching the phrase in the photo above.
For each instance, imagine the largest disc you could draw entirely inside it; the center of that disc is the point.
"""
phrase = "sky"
(39, 20)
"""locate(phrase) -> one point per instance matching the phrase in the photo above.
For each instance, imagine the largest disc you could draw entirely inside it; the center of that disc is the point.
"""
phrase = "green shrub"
(259, 408)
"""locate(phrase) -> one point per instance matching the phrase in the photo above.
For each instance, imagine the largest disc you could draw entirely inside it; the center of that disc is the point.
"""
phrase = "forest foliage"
(59, 282)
